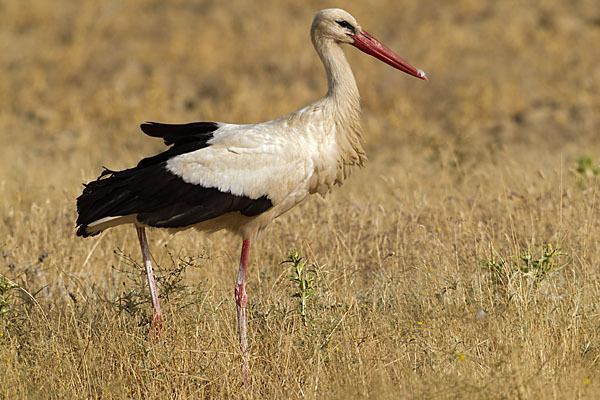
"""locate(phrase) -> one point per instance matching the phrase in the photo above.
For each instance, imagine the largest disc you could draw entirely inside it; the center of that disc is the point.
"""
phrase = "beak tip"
(422, 74)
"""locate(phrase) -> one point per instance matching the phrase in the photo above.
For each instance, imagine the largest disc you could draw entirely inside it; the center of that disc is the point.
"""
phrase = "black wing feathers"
(180, 133)
(185, 138)
(159, 197)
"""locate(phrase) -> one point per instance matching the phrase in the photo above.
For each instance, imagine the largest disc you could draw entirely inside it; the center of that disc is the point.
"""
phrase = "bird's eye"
(346, 25)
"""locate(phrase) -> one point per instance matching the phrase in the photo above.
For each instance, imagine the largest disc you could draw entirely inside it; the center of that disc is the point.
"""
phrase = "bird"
(217, 175)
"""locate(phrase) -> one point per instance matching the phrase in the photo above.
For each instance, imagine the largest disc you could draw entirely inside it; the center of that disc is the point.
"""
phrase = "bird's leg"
(241, 299)
(156, 323)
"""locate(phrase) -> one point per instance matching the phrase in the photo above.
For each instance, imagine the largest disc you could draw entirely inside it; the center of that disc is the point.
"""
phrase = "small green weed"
(587, 168)
(541, 266)
(304, 280)
(586, 171)
(502, 271)
(5, 287)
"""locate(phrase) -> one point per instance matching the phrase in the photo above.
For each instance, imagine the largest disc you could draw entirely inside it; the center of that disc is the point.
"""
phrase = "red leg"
(156, 324)
(241, 299)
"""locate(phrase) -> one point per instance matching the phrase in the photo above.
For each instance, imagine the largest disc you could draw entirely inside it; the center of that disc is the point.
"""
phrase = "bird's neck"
(342, 101)
(341, 85)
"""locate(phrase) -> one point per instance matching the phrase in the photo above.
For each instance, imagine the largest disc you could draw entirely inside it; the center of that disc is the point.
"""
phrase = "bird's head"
(341, 27)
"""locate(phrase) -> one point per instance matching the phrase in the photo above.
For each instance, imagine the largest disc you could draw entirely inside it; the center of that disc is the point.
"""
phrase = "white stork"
(218, 175)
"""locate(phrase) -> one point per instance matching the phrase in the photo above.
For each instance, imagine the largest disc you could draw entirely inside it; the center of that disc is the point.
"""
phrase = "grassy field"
(461, 262)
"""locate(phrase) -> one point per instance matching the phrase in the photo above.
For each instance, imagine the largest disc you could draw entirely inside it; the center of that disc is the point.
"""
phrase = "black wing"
(159, 197)
(185, 138)
(180, 133)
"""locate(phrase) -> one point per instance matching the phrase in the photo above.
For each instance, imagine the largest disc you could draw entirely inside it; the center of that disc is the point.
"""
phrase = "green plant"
(5, 287)
(528, 263)
(304, 280)
(499, 268)
(586, 167)
(541, 266)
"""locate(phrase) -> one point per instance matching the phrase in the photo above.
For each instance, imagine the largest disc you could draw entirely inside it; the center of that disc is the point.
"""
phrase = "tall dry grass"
(419, 289)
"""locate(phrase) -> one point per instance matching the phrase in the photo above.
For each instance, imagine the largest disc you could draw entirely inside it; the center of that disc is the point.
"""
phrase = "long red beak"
(367, 43)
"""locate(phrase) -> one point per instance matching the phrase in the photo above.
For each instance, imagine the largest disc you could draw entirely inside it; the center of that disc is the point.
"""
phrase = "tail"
(107, 199)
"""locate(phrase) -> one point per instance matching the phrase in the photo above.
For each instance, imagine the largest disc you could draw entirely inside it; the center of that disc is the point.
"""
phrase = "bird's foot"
(156, 326)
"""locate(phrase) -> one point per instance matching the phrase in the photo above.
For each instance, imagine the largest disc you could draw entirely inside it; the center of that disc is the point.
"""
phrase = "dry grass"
(475, 166)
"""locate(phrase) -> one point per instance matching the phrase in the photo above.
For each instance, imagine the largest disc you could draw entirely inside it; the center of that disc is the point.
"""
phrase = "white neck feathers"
(342, 102)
